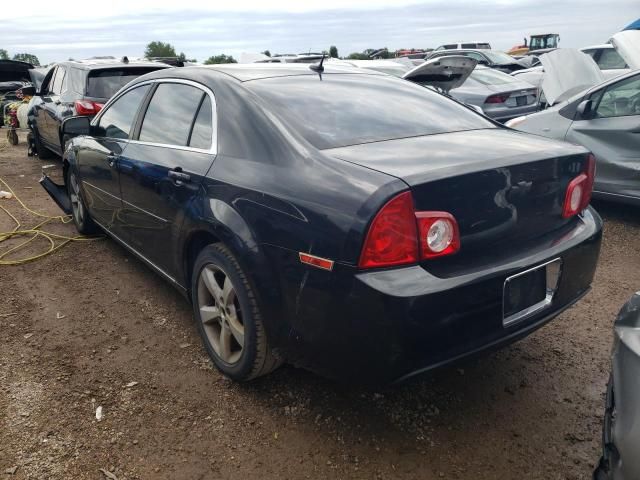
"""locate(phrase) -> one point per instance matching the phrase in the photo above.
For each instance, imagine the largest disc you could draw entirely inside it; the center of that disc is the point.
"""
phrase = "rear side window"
(105, 83)
(203, 126)
(349, 109)
(118, 117)
(170, 114)
(468, 45)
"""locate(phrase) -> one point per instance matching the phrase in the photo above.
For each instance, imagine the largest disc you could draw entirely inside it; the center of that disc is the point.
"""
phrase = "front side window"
(621, 99)
(118, 118)
(170, 114)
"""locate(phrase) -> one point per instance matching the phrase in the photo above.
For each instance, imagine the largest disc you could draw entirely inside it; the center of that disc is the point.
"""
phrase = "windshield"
(499, 58)
(348, 109)
(488, 76)
(105, 83)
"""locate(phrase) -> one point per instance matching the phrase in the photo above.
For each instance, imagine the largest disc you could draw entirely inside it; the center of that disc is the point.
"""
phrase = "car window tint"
(349, 109)
(170, 114)
(610, 60)
(117, 119)
(203, 126)
(621, 99)
(489, 76)
(591, 53)
(468, 45)
(105, 83)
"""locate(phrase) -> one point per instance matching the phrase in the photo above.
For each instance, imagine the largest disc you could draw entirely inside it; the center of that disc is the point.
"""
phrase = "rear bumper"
(383, 326)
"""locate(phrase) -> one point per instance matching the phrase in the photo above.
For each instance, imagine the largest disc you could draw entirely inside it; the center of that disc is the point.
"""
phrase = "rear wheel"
(43, 152)
(81, 218)
(228, 316)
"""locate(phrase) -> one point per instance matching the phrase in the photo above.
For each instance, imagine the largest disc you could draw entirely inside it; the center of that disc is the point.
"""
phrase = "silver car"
(621, 429)
(605, 117)
(498, 95)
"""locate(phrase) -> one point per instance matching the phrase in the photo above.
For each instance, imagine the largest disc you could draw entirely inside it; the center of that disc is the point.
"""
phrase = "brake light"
(87, 107)
(399, 235)
(393, 236)
(578, 194)
(498, 98)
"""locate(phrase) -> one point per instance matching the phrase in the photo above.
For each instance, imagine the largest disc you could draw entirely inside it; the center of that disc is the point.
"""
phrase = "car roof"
(100, 63)
(255, 71)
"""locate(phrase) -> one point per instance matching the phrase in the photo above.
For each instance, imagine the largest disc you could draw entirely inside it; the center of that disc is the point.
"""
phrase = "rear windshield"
(347, 109)
(499, 58)
(105, 83)
(488, 76)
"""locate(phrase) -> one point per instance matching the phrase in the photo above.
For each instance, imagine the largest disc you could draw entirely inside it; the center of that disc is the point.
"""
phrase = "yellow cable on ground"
(34, 232)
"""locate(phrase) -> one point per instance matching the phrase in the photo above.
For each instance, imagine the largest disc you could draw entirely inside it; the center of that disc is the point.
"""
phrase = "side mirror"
(74, 126)
(584, 109)
(483, 62)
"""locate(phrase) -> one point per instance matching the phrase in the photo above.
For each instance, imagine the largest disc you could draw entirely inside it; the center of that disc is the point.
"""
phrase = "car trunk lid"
(443, 73)
(501, 186)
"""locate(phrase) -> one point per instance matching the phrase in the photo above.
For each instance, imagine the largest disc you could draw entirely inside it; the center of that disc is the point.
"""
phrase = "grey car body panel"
(615, 142)
(621, 431)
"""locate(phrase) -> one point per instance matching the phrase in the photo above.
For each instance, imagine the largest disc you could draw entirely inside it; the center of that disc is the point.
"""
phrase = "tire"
(226, 312)
(43, 152)
(81, 218)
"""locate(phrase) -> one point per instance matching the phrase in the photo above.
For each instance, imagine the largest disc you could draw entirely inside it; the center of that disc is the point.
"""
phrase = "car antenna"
(319, 68)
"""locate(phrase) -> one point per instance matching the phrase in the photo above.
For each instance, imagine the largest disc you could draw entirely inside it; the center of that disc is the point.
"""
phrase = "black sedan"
(352, 223)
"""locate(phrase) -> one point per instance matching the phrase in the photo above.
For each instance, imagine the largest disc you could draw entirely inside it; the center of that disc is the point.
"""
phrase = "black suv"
(77, 88)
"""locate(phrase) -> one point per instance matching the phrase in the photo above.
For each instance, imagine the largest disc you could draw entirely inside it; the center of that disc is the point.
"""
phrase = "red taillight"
(439, 234)
(399, 235)
(87, 107)
(498, 98)
(579, 190)
(393, 236)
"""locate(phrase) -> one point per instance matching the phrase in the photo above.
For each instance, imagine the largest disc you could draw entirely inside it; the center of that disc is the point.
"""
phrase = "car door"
(51, 109)
(612, 133)
(162, 167)
(98, 158)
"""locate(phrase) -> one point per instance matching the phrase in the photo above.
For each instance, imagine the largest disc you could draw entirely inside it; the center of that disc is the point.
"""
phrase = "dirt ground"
(78, 327)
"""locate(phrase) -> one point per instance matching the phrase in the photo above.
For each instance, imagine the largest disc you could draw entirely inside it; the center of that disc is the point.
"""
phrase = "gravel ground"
(90, 326)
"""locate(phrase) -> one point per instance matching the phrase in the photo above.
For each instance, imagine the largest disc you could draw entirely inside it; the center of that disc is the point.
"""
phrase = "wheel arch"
(230, 230)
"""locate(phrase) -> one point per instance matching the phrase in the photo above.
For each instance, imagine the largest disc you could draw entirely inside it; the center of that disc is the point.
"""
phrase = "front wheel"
(81, 218)
(228, 316)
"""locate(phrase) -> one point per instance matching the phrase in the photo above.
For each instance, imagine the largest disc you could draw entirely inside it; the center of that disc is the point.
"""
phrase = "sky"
(56, 31)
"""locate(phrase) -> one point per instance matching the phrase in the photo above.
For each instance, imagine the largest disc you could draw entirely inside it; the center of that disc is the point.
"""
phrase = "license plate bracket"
(527, 293)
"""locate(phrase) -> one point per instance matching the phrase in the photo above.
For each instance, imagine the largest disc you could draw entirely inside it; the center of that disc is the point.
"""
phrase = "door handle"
(179, 177)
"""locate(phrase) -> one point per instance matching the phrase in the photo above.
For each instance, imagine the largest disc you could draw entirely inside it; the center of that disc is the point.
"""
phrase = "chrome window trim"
(214, 115)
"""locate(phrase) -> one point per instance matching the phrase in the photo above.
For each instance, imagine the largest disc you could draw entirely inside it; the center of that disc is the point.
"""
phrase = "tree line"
(22, 57)
(157, 49)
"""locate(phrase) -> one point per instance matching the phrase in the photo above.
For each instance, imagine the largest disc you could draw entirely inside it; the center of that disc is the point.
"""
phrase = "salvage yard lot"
(79, 327)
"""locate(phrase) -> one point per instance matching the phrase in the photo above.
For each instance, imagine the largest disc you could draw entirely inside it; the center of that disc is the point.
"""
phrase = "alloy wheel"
(220, 313)
(76, 201)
